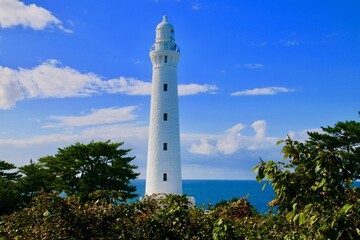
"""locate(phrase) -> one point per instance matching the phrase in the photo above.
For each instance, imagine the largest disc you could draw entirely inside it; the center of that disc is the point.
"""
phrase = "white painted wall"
(162, 161)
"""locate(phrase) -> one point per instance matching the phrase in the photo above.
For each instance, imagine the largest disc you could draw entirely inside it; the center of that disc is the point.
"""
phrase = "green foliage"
(35, 180)
(313, 183)
(10, 196)
(235, 208)
(156, 217)
(79, 170)
(48, 217)
(7, 171)
(168, 217)
(82, 169)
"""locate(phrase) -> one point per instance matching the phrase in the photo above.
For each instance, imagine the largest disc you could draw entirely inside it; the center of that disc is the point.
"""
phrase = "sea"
(210, 192)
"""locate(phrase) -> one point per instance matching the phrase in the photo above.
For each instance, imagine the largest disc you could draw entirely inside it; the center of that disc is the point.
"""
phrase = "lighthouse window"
(165, 87)
(166, 58)
(165, 177)
(165, 146)
(165, 116)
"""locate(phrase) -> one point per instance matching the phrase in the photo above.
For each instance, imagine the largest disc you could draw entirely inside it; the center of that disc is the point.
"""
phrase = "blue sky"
(250, 73)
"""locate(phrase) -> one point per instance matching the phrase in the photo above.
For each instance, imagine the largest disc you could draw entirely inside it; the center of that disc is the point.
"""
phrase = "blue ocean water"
(213, 191)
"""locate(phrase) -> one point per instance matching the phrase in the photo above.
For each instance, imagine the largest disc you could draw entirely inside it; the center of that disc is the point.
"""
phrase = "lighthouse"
(164, 163)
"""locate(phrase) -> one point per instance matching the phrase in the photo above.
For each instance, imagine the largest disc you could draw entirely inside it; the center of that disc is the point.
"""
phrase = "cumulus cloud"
(53, 80)
(192, 89)
(96, 117)
(262, 91)
(44, 81)
(204, 147)
(232, 140)
(16, 13)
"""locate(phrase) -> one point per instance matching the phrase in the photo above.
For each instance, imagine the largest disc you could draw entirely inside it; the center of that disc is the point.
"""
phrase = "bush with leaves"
(47, 217)
(166, 217)
(313, 185)
(237, 219)
(104, 216)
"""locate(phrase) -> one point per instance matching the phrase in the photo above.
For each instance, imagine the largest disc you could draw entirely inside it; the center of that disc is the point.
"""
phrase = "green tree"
(7, 171)
(10, 197)
(35, 179)
(81, 169)
(313, 184)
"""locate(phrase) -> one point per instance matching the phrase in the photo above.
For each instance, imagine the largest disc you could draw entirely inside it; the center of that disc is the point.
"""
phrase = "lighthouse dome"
(164, 24)
(165, 37)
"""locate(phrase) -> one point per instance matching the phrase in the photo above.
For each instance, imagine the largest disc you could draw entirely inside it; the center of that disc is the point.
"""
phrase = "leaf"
(302, 218)
(263, 187)
(296, 217)
(345, 209)
(294, 206)
(289, 216)
(323, 181)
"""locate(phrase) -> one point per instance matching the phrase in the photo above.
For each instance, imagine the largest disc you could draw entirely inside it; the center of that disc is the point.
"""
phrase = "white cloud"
(262, 44)
(131, 86)
(20, 151)
(195, 5)
(303, 134)
(230, 142)
(289, 42)
(10, 90)
(251, 65)
(44, 81)
(204, 147)
(52, 80)
(132, 132)
(260, 129)
(192, 89)
(96, 117)
(262, 91)
(233, 140)
(128, 86)
(230, 154)
(16, 13)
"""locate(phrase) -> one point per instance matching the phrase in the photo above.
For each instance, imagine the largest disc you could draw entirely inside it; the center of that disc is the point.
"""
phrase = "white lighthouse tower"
(164, 163)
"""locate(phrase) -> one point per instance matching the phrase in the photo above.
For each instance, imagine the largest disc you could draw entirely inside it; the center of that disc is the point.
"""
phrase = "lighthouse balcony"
(165, 46)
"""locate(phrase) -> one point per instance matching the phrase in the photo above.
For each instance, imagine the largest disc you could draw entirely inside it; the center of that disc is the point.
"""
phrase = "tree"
(313, 184)
(81, 169)
(7, 171)
(10, 197)
(35, 179)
